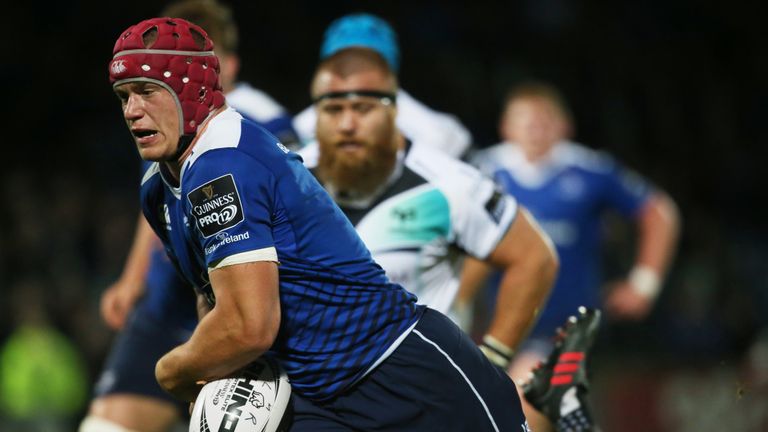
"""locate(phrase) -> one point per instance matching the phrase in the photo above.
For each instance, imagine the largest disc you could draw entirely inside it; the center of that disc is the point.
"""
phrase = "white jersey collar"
(534, 174)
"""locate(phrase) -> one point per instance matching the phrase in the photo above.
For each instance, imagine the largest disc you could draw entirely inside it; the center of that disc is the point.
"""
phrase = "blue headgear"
(362, 30)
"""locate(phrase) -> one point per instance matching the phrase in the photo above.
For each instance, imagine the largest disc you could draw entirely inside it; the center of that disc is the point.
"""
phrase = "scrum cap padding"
(179, 56)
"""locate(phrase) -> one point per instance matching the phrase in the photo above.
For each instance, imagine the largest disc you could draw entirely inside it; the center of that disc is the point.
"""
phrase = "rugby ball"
(253, 402)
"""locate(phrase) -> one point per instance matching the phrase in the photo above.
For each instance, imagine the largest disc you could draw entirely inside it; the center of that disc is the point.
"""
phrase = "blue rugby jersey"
(244, 192)
(166, 292)
(167, 295)
(567, 193)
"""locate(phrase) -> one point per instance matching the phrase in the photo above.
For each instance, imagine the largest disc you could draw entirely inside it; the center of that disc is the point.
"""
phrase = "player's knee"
(97, 424)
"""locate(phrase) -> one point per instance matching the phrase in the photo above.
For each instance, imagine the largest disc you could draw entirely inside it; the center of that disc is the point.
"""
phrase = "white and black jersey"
(434, 210)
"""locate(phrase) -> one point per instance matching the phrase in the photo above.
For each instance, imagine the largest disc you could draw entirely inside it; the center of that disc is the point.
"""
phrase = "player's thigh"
(436, 379)
(465, 390)
(130, 365)
(306, 416)
(134, 412)
(127, 392)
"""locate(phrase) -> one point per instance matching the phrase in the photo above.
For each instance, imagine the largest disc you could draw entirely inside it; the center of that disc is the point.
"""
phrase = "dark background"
(674, 89)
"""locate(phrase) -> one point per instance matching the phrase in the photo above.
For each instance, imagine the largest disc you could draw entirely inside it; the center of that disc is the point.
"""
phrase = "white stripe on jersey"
(152, 170)
(155, 169)
(263, 254)
(223, 131)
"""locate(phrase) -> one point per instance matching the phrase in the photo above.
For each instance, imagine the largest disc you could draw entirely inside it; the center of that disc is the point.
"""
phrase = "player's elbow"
(253, 343)
(669, 212)
(661, 206)
(257, 335)
(552, 265)
(661, 217)
(528, 253)
(546, 263)
(248, 333)
(541, 255)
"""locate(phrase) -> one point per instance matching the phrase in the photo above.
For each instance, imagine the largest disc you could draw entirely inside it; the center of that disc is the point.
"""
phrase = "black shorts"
(436, 380)
(130, 366)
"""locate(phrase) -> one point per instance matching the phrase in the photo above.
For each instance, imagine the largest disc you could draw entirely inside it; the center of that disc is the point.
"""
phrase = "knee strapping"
(98, 424)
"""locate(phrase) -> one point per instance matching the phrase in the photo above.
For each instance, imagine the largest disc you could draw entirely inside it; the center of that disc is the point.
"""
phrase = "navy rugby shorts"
(130, 366)
(436, 380)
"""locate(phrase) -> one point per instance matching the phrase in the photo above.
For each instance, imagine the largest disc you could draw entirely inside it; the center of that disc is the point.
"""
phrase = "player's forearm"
(474, 273)
(658, 227)
(659, 232)
(528, 258)
(137, 262)
(242, 326)
(217, 348)
(523, 291)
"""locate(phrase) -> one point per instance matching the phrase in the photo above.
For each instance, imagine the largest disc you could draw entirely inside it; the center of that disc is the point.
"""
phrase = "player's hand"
(172, 381)
(117, 301)
(624, 302)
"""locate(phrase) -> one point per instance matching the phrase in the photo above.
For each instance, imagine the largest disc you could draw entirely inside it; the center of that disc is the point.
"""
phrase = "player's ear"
(230, 67)
(505, 132)
(566, 128)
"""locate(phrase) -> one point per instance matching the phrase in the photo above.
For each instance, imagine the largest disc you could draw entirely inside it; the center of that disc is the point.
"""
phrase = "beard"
(357, 175)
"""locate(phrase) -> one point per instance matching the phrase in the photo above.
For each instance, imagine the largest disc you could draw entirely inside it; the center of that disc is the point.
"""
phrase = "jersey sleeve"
(480, 211)
(482, 215)
(624, 189)
(230, 201)
(437, 129)
(282, 128)
(483, 161)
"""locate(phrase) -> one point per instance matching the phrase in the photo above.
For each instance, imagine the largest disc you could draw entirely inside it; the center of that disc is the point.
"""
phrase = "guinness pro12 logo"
(216, 205)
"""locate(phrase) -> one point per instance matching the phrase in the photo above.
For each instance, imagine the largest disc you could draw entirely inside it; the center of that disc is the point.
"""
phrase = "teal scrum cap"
(362, 30)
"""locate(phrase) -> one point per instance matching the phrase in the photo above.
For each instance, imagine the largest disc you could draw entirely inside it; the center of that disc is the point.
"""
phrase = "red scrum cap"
(177, 55)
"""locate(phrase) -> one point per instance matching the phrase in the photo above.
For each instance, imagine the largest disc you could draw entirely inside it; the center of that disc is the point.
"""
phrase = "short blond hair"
(215, 18)
(539, 90)
(353, 60)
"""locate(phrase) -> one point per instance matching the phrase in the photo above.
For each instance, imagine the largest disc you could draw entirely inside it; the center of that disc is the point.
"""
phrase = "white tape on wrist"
(496, 351)
(645, 281)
